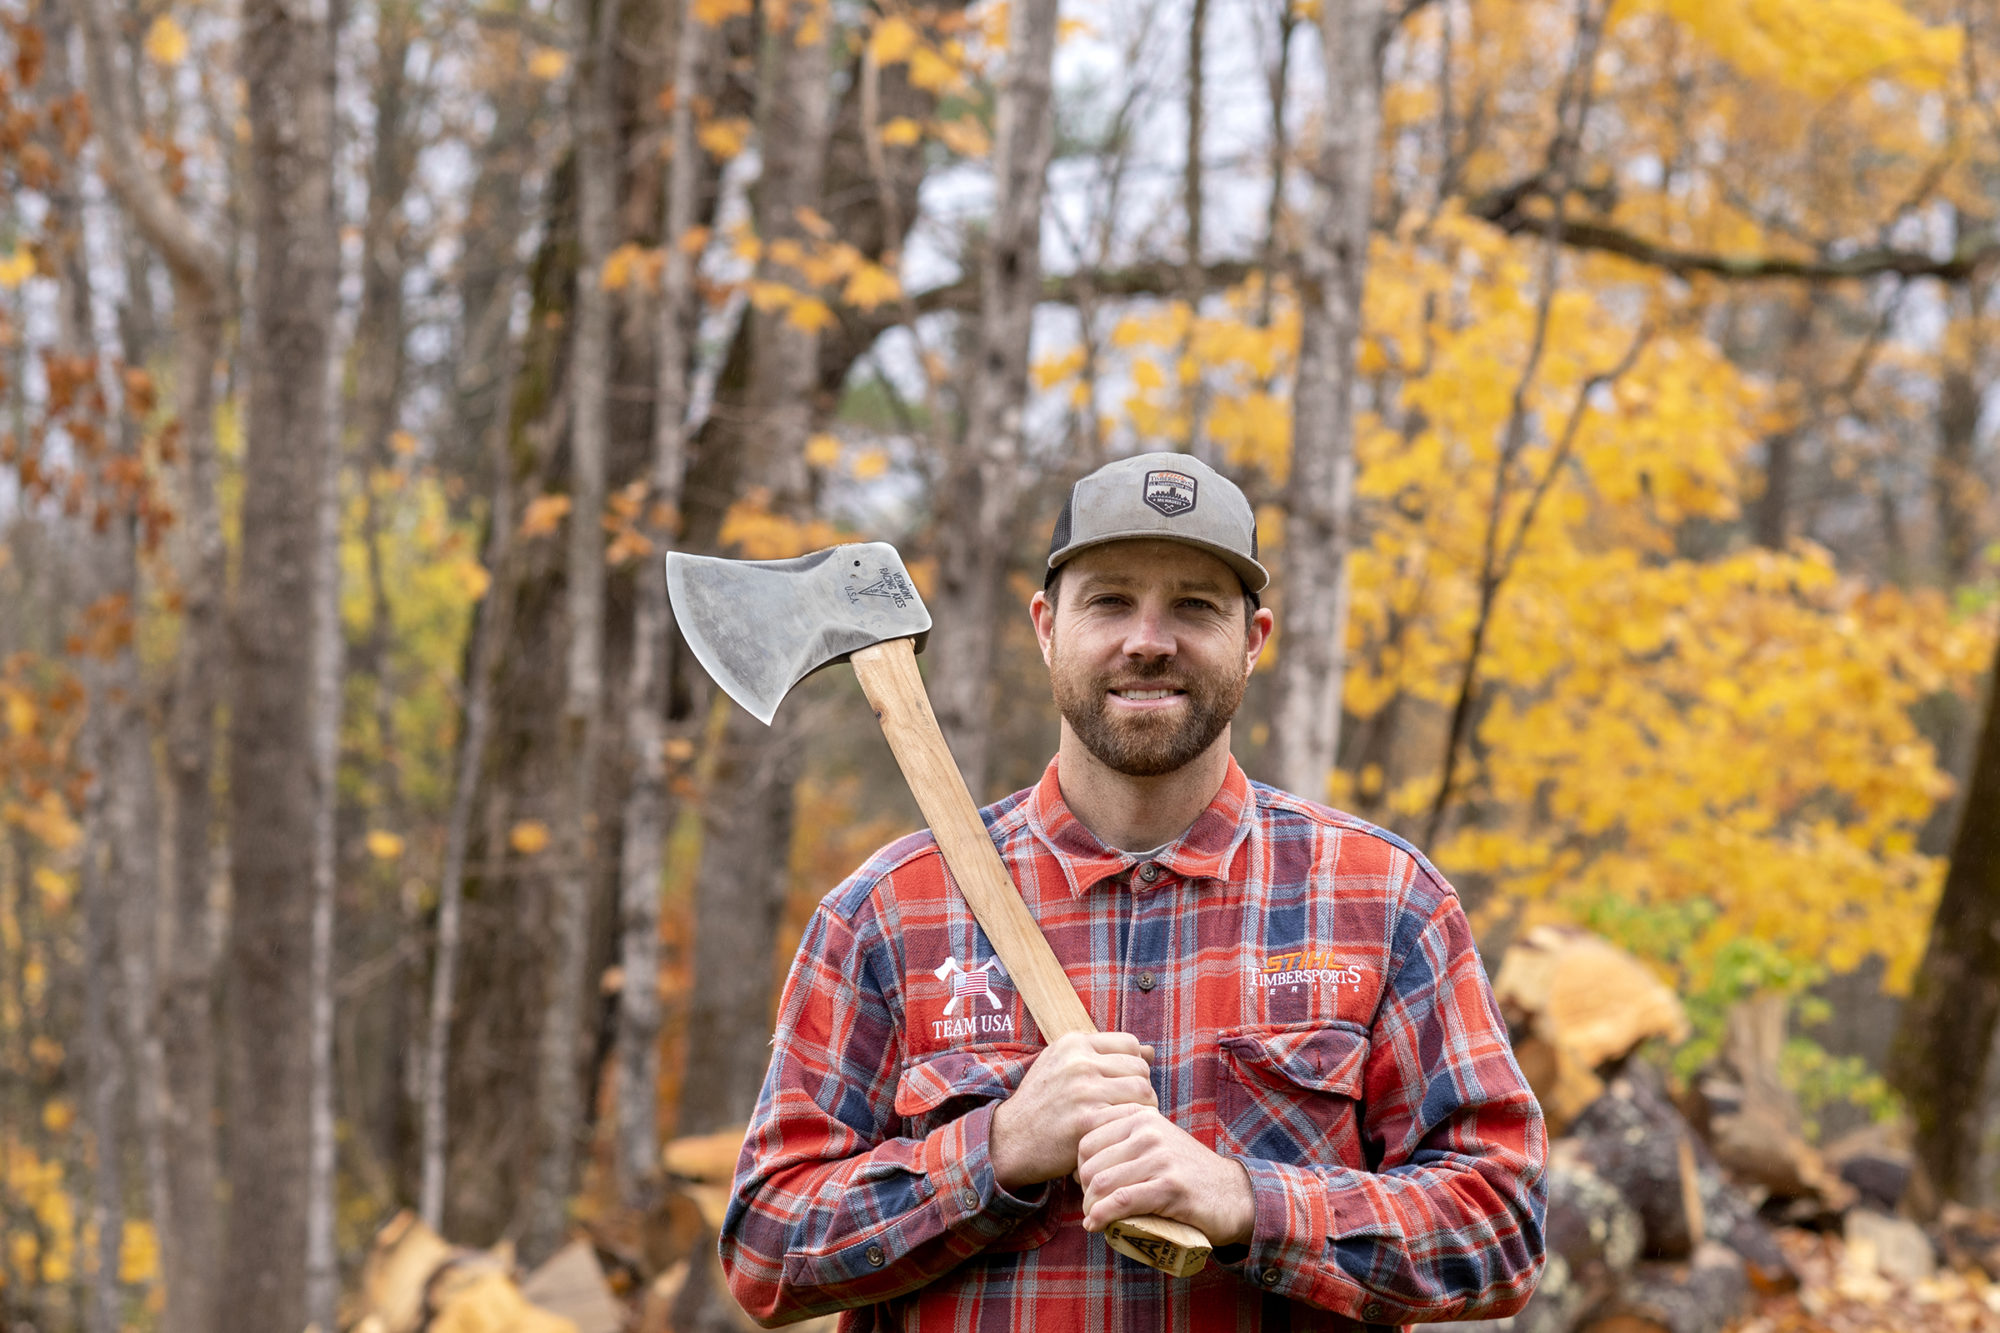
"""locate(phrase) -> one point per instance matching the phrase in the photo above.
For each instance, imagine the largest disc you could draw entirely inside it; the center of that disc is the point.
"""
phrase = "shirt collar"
(1203, 852)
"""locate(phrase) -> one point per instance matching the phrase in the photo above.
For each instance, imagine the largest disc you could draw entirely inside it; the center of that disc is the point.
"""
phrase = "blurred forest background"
(1613, 378)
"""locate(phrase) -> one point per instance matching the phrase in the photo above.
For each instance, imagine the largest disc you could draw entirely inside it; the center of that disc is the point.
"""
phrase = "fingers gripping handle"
(889, 678)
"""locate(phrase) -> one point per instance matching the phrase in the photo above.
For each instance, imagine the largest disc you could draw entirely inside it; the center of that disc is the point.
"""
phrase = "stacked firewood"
(1669, 1209)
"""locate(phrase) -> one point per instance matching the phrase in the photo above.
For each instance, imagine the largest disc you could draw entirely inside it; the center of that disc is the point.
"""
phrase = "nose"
(1148, 635)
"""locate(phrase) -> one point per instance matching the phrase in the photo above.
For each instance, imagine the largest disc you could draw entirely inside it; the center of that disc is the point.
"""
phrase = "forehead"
(1150, 563)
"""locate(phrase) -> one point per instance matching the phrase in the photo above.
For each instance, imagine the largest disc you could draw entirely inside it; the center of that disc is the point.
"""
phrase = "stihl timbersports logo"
(1172, 493)
(968, 986)
(1303, 967)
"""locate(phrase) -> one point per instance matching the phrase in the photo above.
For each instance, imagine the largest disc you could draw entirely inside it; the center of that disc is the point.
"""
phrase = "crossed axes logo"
(969, 981)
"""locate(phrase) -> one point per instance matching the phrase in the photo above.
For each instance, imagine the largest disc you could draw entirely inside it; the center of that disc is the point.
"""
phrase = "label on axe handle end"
(1142, 1239)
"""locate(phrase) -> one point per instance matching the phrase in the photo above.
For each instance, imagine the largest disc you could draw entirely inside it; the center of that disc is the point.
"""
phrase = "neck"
(1138, 814)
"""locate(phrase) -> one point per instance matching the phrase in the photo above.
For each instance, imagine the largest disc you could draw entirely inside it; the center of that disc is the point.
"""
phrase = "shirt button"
(1146, 981)
(875, 1256)
(970, 1198)
(1269, 1277)
(1372, 1312)
(1149, 871)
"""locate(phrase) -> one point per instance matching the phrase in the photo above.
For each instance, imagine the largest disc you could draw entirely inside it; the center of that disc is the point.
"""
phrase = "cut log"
(1702, 1294)
(705, 1159)
(1575, 1004)
(1755, 1127)
(415, 1280)
(1637, 1140)
(572, 1284)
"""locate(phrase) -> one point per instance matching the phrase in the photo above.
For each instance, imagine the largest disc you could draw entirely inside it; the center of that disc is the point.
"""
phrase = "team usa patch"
(969, 985)
(1172, 493)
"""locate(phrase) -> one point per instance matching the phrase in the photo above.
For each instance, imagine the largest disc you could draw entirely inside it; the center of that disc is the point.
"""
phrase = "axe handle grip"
(895, 689)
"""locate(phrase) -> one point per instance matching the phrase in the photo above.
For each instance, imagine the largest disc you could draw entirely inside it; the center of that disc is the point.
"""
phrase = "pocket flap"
(985, 1072)
(1328, 1059)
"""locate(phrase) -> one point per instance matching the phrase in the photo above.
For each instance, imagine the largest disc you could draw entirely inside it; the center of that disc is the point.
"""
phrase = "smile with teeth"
(1143, 695)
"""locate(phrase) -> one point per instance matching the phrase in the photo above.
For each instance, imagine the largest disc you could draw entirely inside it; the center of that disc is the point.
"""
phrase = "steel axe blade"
(762, 626)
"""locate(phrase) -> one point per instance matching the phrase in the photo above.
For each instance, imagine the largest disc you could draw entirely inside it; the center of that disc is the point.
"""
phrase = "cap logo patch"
(1172, 493)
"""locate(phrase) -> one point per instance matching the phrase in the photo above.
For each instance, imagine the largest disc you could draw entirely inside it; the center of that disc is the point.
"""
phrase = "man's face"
(1149, 645)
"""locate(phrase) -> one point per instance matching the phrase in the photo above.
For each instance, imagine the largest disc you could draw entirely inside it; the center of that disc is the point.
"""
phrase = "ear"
(1043, 613)
(1256, 635)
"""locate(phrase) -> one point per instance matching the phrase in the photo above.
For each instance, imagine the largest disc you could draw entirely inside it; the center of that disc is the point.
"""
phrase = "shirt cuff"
(968, 1196)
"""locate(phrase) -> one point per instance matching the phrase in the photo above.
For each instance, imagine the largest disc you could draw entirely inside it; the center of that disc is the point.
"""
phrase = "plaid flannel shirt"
(1317, 1011)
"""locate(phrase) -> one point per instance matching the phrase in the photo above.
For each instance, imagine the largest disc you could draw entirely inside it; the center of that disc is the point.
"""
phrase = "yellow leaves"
(755, 533)
(166, 42)
(724, 138)
(548, 64)
(1820, 47)
(869, 286)
(17, 268)
(717, 12)
(902, 132)
(935, 73)
(871, 463)
(810, 315)
(631, 263)
(138, 1253)
(46, 819)
(19, 708)
(892, 41)
(965, 136)
(55, 888)
(384, 845)
(823, 450)
(528, 837)
(544, 515)
(58, 1114)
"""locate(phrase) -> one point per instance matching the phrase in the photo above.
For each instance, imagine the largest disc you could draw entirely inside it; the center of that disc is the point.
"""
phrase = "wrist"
(1238, 1221)
(1009, 1172)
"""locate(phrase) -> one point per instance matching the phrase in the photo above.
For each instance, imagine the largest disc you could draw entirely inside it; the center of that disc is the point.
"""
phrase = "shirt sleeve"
(830, 1208)
(1449, 1225)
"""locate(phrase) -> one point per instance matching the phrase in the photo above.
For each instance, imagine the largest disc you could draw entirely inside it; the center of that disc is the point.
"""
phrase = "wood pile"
(1709, 1209)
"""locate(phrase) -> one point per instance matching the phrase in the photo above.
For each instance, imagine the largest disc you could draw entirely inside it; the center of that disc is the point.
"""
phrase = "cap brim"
(1255, 577)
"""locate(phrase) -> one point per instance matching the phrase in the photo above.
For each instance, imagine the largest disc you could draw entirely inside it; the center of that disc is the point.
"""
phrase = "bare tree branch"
(1512, 208)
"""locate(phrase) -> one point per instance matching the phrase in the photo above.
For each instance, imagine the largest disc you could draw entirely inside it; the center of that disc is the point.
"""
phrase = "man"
(1300, 1053)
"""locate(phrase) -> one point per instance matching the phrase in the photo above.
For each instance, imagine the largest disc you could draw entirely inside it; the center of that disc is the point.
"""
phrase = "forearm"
(1455, 1239)
(806, 1234)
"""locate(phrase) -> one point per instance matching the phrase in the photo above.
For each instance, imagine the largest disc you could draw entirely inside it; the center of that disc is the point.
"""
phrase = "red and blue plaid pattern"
(1316, 1009)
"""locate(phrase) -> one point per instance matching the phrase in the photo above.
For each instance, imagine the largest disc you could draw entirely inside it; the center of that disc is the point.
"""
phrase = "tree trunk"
(637, 1159)
(1319, 501)
(190, 1235)
(977, 519)
(287, 57)
(329, 656)
(559, 1095)
(1946, 1037)
(747, 811)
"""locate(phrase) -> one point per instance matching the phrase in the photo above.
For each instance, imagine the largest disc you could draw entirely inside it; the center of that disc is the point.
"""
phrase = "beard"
(1152, 744)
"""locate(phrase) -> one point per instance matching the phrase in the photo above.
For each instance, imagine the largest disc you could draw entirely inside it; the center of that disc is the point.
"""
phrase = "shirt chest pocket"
(936, 1089)
(1292, 1093)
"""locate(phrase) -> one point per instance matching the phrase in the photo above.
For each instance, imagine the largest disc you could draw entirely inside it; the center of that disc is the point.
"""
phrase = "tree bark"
(287, 63)
(1319, 501)
(190, 1234)
(1946, 1036)
(637, 1160)
(976, 509)
(559, 1096)
(747, 813)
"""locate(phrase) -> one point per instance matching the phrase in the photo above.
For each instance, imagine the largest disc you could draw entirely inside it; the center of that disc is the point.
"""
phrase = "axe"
(762, 626)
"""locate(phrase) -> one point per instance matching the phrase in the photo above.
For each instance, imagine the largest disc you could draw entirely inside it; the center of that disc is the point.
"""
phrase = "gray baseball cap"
(1172, 497)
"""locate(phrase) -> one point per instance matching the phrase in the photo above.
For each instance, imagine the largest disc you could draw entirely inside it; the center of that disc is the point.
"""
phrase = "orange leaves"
(529, 837)
(752, 531)
(543, 516)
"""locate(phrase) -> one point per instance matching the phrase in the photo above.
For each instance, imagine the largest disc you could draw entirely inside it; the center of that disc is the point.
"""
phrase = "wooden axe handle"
(889, 678)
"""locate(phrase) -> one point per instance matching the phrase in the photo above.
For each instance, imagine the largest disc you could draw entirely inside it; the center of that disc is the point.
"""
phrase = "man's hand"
(1065, 1092)
(1134, 1161)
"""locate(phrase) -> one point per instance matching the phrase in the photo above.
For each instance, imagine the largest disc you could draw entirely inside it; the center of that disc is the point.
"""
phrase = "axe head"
(762, 626)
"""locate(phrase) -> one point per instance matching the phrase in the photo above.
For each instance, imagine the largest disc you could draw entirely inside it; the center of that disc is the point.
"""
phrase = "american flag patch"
(969, 983)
